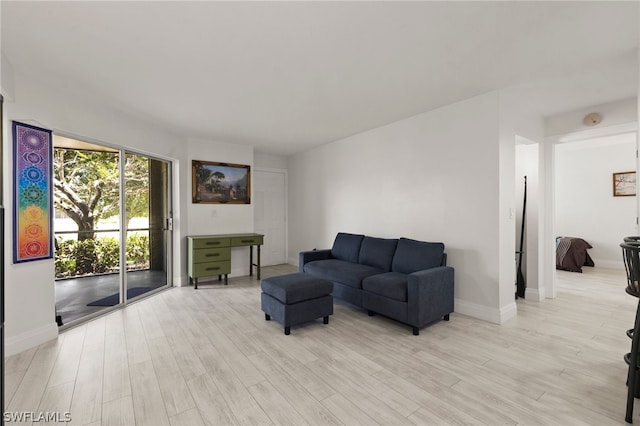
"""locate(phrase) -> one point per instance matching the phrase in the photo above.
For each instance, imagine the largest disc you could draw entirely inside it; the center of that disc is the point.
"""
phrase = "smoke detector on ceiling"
(592, 119)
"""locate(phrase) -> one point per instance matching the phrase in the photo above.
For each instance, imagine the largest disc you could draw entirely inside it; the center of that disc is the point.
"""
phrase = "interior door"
(270, 214)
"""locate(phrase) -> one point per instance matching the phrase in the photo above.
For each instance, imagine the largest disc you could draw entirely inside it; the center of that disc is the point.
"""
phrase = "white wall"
(29, 287)
(207, 219)
(431, 177)
(585, 206)
(269, 161)
(518, 122)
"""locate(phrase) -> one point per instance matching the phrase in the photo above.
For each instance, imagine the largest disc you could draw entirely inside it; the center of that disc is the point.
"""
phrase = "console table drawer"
(200, 243)
(211, 255)
(211, 268)
(246, 241)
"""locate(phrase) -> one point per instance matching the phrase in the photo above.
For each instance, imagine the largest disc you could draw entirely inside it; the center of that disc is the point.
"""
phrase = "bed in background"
(571, 254)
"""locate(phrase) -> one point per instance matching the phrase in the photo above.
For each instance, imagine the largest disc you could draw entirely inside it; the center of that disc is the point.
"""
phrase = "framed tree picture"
(220, 183)
(624, 184)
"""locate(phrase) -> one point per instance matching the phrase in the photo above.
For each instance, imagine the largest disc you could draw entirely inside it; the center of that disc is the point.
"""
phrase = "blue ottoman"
(293, 299)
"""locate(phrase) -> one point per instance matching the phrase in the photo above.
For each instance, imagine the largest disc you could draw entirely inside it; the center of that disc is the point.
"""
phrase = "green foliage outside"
(99, 255)
(87, 190)
(87, 186)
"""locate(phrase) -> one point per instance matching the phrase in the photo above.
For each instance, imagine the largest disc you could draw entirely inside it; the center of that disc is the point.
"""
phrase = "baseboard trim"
(30, 339)
(180, 280)
(485, 313)
(608, 264)
(535, 294)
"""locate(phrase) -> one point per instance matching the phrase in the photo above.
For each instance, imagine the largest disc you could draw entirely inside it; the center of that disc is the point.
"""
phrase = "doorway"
(270, 214)
(112, 208)
(585, 204)
(551, 230)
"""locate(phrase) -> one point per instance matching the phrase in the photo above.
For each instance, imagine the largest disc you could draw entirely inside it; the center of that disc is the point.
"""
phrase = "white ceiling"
(286, 76)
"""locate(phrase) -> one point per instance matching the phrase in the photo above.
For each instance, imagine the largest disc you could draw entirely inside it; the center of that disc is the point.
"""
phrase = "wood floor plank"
(295, 369)
(21, 361)
(118, 412)
(150, 325)
(12, 382)
(434, 409)
(148, 405)
(95, 332)
(66, 367)
(244, 407)
(281, 412)
(296, 389)
(86, 406)
(190, 417)
(173, 387)
(34, 382)
(187, 360)
(116, 382)
(225, 346)
(57, 400)
(371, 403)
(210, 402)
(348, 412)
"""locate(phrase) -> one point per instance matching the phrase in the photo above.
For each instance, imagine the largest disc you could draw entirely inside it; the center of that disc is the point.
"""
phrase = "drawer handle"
(247, 241)
(212, 255)
(212, 243)
(213, 269)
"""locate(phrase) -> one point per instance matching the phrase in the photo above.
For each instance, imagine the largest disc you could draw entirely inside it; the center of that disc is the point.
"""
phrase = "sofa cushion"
(377, 252)
(347, 273)
(347, 247)
(412, 256)
(392, 285)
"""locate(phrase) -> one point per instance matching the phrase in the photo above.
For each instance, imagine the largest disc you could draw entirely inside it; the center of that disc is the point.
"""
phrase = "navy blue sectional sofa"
(403, 279)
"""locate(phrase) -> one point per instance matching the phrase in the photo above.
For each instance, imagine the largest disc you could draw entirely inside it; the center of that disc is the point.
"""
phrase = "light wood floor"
(187, 357)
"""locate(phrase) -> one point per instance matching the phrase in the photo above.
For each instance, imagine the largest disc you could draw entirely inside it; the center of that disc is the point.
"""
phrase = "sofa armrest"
(310, 256)
(429, 295)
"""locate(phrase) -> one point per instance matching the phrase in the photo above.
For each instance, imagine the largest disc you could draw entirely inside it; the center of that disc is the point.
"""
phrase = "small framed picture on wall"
(624, 184)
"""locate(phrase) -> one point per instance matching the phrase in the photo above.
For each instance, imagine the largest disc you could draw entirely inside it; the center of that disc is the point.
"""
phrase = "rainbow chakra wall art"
(32, 193)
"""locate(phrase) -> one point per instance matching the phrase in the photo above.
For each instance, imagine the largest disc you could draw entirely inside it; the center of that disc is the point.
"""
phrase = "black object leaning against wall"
(521, 285)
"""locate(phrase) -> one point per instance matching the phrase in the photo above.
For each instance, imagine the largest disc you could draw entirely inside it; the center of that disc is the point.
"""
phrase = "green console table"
(210, 255)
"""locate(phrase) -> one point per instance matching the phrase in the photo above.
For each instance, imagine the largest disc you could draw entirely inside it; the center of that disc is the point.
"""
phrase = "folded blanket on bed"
(571, 254)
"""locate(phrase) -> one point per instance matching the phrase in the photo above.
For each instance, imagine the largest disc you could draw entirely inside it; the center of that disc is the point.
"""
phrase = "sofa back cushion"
(377, 252)
(347, 247)
(412, 256)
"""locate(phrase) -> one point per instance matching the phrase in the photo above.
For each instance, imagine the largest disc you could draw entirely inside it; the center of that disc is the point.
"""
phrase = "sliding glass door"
(113, 208)
(147, 222)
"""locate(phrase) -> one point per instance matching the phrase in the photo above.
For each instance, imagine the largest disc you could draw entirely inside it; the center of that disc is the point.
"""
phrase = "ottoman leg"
(267, 317)
(326, 320)
(287, 330)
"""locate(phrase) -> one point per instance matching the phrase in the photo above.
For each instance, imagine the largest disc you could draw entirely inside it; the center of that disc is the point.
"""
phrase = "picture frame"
(32, 193)
(220, 183)
(624, 184)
